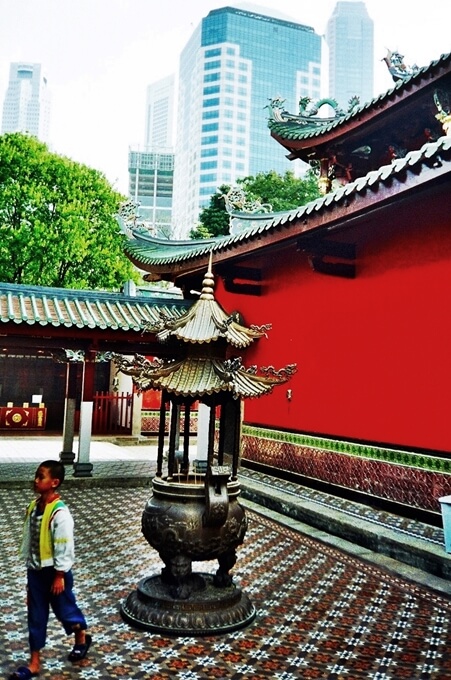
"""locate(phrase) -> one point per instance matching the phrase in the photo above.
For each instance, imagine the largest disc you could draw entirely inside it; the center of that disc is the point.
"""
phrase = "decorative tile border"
(385, 455)
(381, 473)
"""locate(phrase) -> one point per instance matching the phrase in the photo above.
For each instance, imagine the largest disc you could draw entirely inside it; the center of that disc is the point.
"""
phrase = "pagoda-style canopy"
(206, 370)
(206, 322)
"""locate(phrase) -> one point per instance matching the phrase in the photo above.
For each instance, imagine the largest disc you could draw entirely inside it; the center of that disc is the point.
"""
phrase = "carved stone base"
(207, 611)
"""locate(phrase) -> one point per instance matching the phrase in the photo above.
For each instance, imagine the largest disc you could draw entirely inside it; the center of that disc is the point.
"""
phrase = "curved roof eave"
(177, 259)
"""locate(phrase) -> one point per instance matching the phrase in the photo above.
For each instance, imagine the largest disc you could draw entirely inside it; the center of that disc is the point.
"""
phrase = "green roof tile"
(81, 309)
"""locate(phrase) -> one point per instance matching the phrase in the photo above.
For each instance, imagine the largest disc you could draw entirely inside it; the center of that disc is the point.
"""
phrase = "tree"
(213, 219)
(281, 192)
(57, 220)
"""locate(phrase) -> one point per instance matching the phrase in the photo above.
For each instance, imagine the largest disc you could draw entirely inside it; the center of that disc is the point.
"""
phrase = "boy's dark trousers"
(40, 599)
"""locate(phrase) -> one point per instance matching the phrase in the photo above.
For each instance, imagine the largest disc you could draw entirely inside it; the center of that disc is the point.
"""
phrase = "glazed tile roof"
(35, 305)
(292, 129)
(147, 252)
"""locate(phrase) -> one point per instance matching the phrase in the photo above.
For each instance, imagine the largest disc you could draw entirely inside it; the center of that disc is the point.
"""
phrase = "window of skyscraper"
(210, 65)
(212, 139)
(208, 165)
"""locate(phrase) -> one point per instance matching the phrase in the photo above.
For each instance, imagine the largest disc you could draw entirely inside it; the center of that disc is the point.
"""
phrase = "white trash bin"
(445, 502)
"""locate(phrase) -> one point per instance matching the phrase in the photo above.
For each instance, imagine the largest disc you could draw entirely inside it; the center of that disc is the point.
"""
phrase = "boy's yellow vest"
(45, 535)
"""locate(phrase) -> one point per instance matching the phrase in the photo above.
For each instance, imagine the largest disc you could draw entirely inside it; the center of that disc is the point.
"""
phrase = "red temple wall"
(373, 353)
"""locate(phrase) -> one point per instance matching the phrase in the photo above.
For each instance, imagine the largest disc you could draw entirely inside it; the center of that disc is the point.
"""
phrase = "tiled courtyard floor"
(320, 613)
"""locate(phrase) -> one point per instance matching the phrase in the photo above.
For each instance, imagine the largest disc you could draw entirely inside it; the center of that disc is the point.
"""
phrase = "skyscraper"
(151, 168)
(349, 35)
(26, 107)
(159, 130)
(235, 61)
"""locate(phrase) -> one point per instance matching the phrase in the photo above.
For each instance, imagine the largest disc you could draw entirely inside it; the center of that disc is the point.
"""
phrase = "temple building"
(356, 285)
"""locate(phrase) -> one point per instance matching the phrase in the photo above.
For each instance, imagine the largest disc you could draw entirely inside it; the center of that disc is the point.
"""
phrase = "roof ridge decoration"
(308, 118)
(206, 369)
(237, 201)
(398, 70)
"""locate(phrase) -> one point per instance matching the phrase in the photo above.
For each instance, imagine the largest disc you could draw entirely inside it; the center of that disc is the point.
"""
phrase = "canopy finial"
(208, 282)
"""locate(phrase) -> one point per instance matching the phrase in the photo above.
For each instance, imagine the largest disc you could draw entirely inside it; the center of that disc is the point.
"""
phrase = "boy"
(48, 551)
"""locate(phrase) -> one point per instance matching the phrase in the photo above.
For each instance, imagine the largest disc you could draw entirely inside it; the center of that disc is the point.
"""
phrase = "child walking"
(48, 551)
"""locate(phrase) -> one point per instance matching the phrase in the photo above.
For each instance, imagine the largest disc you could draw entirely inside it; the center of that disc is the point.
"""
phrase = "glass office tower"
(235, 61)
(350, 39)
(26, 107)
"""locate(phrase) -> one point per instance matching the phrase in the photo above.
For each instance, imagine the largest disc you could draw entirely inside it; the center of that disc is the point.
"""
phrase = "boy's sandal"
(22, 673)
(80, 651)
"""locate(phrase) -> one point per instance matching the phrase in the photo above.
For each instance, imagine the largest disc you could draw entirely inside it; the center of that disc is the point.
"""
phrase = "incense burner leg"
(226, 561)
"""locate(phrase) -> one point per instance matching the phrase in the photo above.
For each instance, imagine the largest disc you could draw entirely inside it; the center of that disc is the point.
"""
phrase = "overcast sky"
(99, 56)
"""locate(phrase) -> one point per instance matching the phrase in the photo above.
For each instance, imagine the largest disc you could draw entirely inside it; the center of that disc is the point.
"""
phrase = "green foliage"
(213, 219)
(57, 220)
(281, 192)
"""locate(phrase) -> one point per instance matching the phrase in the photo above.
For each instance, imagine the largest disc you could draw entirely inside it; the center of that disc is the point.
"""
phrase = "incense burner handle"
(216, 495)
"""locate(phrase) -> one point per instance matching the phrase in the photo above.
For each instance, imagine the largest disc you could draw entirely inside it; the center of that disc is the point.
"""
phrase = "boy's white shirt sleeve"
(62, 528)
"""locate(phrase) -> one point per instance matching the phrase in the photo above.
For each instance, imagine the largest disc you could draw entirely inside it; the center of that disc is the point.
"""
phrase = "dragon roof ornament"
(237, 201)
(398, 70)
(308, 112)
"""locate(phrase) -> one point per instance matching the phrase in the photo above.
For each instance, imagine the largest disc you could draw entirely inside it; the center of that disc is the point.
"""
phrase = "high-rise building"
(235, 61)
(160, 100)
(350, 37)
(151, 177)
(26, 107)
(151, 168)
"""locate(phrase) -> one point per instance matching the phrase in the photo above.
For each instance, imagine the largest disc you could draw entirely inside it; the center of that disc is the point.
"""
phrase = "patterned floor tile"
(320, 613)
